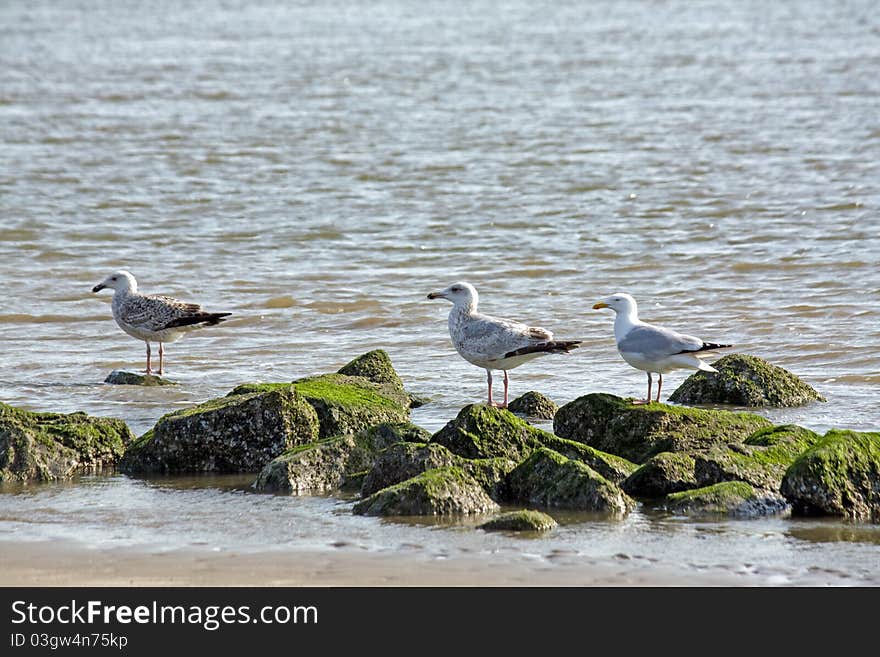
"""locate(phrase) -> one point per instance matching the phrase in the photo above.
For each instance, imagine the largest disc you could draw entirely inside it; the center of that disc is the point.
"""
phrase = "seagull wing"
(656, 342)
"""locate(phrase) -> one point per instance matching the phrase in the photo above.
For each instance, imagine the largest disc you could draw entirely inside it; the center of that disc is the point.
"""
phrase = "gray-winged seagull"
(494, 343)
(653, 349)
(153, 318)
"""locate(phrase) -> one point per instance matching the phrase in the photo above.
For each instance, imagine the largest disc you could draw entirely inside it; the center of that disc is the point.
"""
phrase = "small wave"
(22, 318)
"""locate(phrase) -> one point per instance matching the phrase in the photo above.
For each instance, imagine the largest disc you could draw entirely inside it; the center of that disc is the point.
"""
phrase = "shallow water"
(317, 168)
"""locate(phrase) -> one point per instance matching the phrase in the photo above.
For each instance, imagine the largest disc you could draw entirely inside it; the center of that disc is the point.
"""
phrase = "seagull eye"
(456, 289)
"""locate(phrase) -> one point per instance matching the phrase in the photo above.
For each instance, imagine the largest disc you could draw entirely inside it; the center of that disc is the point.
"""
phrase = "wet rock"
(534, 405)
(662, 474)
(839, 476)
(237, 433)
(637, 432)
(761, 460)
(491, 474)
(441, 491)
(319, 467)
(374, 366)
(729, 498)
(744, 380)
(520, 521)
(403, 461)
(614, 468)
(481, 431)
(120, 377)
(549, 479)
(52, 446)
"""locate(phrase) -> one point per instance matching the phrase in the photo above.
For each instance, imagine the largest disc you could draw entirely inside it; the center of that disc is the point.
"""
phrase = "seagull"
(153, 318)
(494, 343)
(653, 348)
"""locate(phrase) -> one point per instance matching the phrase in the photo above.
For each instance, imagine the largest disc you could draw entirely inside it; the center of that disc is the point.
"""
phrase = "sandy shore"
(67, 564)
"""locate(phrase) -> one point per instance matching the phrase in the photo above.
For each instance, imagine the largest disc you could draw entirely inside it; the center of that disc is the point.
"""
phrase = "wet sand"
(67, 564)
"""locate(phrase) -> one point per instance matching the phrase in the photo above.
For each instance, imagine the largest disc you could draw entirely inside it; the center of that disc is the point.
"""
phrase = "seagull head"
(460, 294)
(121, 280)
(621, 303)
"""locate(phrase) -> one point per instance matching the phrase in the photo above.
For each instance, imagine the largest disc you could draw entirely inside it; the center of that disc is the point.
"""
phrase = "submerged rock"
(838, 476)
(237, 433)
(744, 380)
(730, 498)
(51, 446)
(441, 491)
(549, 479)
(533, 404)
(520, 521)
(120, 377)
(638, 432)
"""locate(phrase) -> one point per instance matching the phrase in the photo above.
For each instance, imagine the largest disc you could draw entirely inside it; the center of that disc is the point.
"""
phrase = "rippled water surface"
(316, 168)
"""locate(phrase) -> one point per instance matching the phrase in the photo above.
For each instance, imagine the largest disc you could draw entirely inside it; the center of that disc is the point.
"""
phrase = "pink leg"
(149, 369)
(659, 385)
(506, 384)
(489, 380)
(161, 358)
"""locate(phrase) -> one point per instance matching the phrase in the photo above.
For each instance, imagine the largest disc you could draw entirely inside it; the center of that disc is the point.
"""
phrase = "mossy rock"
(535, 405)
(439, 492)
(403, 461)
(614, 468)
(637, 432)
(761, 460)
(53, 446)
(744, 380)
(549, 479)
(374, 366)
(120, 377)
(839, 476)
(662, 474)
(237, 433)
(729, 498)
(381, 436)
(520, 521)
(319, 467)
(480, 431)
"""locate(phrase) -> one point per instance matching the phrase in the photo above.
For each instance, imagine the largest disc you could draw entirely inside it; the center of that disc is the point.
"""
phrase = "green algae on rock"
(839, 476)
(341, 462)
(319, 467)
(236, 433)
(614, 468)
(121, 377)
(729, 498)
(744, 380)
(441, 491)
(533, 404)
(761, 460)
(637, 432)
(520, 521)
(403, 461)
(52, 446)
(480, 431)
(549, 479)
(662, 474)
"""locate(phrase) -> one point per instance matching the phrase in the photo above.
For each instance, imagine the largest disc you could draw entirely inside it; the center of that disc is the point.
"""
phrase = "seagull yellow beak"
(600, 305)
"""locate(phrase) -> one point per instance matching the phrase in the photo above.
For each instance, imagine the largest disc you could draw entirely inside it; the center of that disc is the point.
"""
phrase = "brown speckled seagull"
(153, 318)
(494, 343)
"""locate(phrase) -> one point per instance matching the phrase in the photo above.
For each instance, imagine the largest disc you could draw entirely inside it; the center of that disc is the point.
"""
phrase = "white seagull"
(653, 348)
(494, 343)
(153, 318)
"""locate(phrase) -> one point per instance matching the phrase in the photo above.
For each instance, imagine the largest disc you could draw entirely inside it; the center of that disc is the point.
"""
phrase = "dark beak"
(98, 287)
(435, 295)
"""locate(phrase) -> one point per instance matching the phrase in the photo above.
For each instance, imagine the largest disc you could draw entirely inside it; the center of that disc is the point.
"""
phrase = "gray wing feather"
(153, 313)
(657, 342)
(494, 337)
